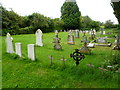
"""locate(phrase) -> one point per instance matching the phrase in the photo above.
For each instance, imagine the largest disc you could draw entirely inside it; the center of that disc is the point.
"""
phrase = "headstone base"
(85, 50)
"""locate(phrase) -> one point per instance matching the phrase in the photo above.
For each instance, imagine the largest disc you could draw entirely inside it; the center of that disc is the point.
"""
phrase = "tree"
(116, 7)
(108, 24)
(70, 15)
(58, 24)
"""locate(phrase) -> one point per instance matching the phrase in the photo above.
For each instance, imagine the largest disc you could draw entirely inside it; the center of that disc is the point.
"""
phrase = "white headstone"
(9, 44)
(18, 47)
(31, 52)
(91, 45)
(39, 37)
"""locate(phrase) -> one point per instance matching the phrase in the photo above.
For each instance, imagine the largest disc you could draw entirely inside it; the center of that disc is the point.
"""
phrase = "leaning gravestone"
(18, 48)
(76, 33)
(70, 38)
(39, 38)
(9, 44)
(31, 52)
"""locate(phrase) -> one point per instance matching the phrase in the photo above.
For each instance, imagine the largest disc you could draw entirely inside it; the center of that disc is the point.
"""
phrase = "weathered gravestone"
(39, 38)
(85, 49)
(117, 44)
(102, 40)
(70, 38)
(31, 52)
(18, 48)
(57, 42)
(9, 44)
(92, 34)
(76, 33)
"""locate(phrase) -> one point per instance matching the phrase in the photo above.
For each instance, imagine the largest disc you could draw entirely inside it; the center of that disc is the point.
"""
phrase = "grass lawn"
(23, 73)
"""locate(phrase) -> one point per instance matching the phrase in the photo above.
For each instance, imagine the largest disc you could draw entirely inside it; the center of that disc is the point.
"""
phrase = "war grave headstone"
(18, 48)
(39, 38)
(31, 52)
(70, 38)
(76, 33)
(56, 39)
(117, 44)
(85, 49)
(9, 44)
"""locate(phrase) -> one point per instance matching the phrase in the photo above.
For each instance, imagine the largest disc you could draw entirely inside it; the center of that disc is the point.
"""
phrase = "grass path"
(23, 73)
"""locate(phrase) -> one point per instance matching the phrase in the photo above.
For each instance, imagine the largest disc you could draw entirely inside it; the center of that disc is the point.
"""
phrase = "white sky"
(99, 10)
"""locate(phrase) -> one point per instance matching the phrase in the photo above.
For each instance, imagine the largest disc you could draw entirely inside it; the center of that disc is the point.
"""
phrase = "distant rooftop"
(115, 0)
(70, 1)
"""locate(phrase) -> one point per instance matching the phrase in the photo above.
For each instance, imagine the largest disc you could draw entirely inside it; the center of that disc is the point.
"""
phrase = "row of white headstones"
(18, 46)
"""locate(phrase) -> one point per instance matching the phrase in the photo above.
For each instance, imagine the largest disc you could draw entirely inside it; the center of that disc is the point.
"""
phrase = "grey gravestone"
(18, 48)
(92, 34)
(85, 49)
(117, 44)
(57, 42)
(9, 44)
(76, 33)
(101, 40)
(39, 38)
(70, 38)
(31, 52)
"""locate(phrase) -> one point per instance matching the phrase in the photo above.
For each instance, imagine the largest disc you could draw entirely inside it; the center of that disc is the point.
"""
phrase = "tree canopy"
(70, 15)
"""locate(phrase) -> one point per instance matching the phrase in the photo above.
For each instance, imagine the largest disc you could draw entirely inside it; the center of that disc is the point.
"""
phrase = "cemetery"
(61, 58)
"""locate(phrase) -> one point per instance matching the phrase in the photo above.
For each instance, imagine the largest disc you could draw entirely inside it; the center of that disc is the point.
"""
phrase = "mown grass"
(23, 73)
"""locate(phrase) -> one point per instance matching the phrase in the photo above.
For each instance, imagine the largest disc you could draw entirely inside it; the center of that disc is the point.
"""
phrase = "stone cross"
(18, 47)
(9, 44)
(70, 38)
(51, 58)
(39, 37)
(31, 52)
(57, 43)
(85, 49)
(63, 59)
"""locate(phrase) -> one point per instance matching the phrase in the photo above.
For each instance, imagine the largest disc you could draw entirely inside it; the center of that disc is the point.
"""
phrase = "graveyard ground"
(23, 73)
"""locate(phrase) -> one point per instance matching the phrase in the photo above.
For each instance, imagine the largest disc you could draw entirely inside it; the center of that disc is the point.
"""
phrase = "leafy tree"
(58, 24)
(70, 14)
(108, 24)
(11, 21)
(86, 22)
(116, 7)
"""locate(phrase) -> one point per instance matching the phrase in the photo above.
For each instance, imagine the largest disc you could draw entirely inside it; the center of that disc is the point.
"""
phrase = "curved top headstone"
(38, 31)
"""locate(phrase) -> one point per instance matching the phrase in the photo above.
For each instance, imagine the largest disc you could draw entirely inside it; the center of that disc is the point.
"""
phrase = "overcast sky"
(99, 10)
